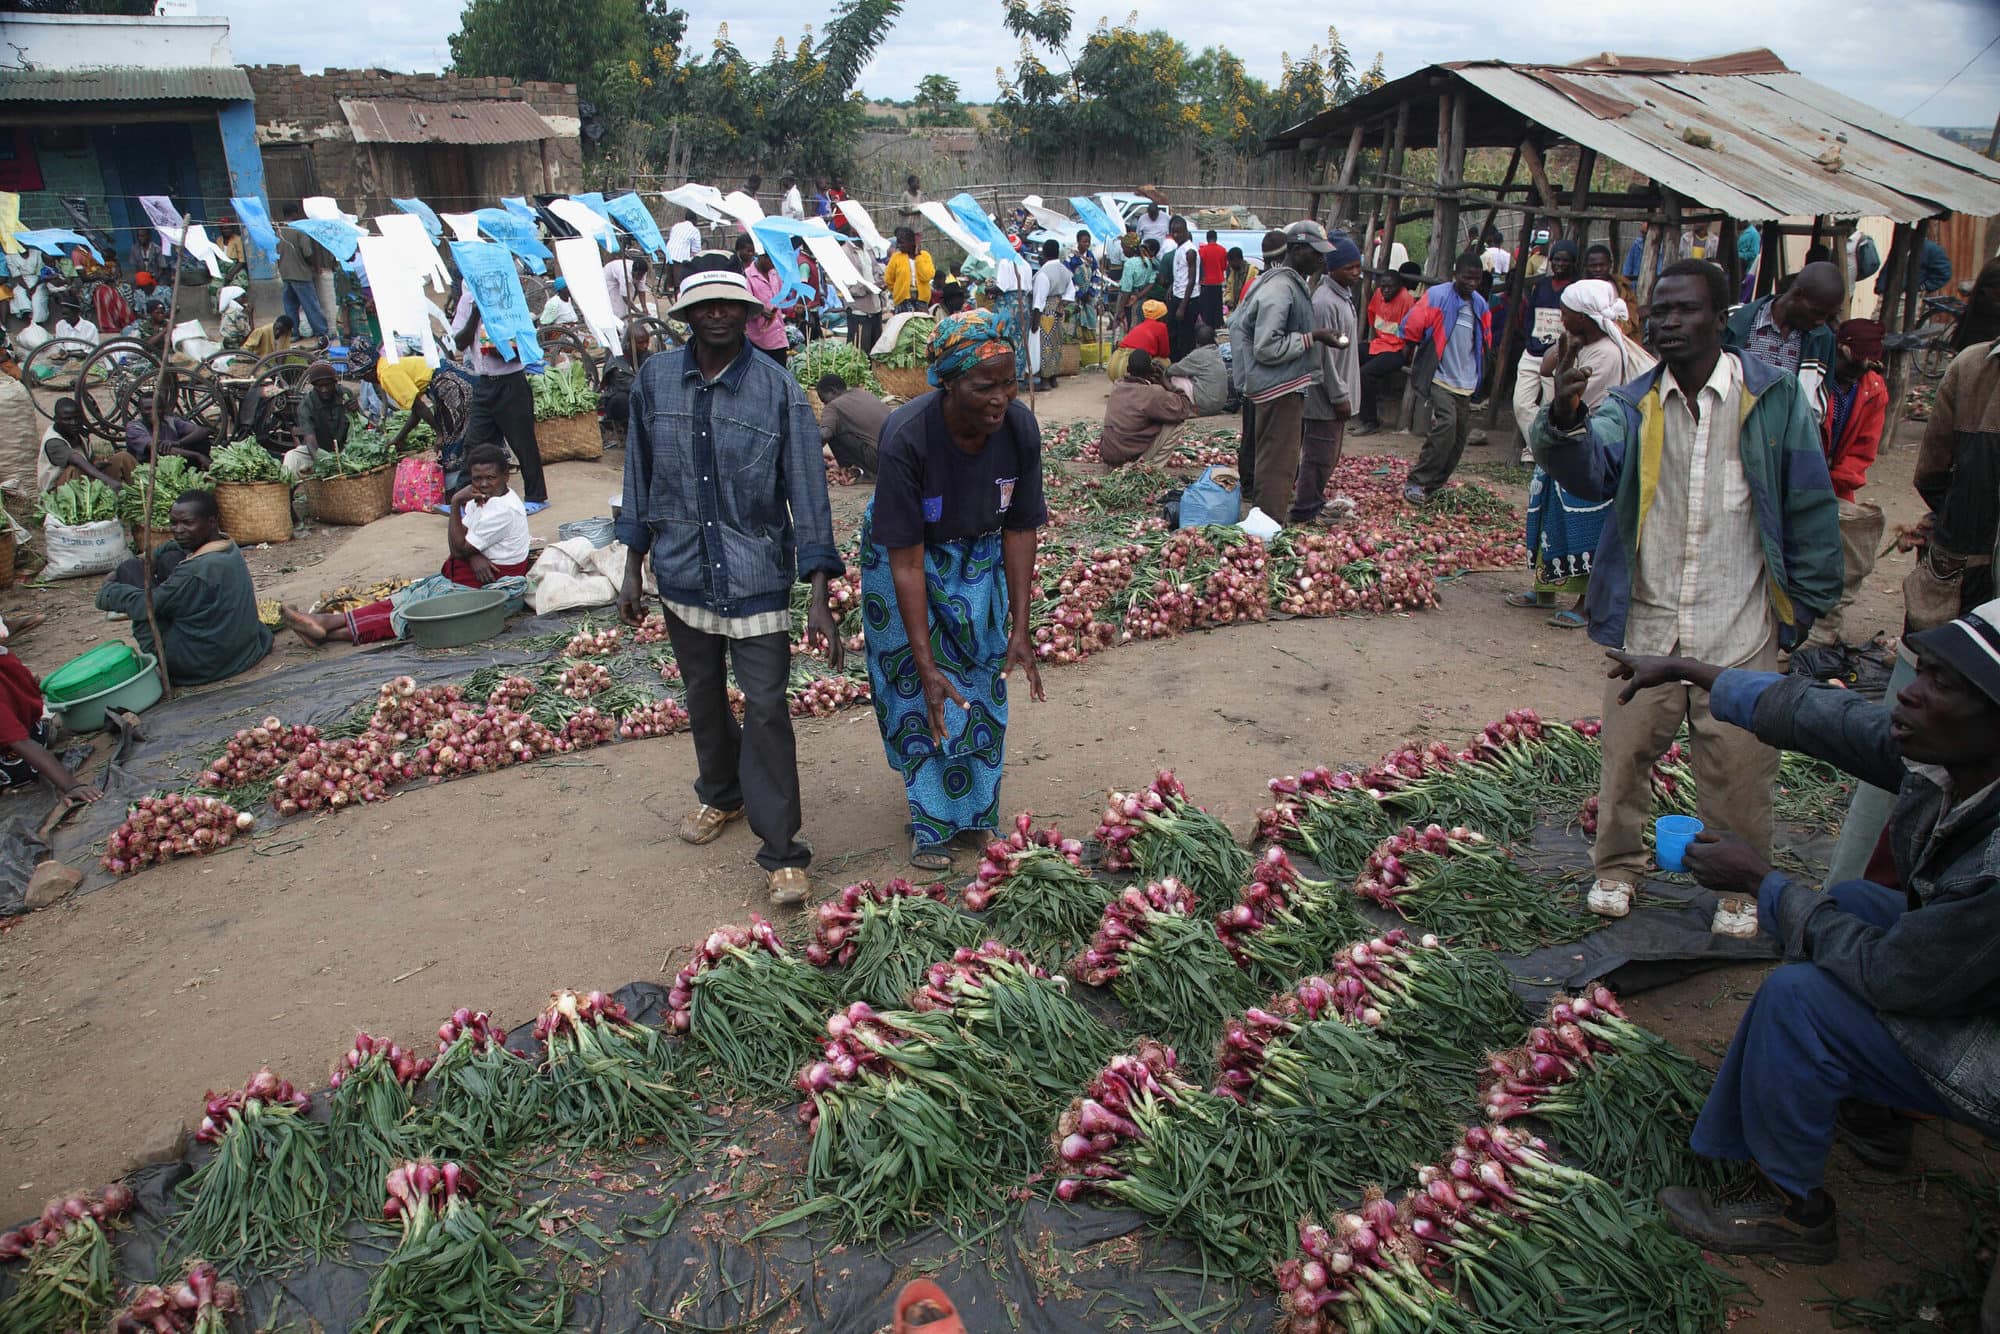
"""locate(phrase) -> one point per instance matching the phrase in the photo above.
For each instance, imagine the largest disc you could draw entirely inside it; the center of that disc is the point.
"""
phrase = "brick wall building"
(366, 136)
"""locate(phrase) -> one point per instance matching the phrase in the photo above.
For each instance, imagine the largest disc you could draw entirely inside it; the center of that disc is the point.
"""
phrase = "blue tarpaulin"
(517, 235)
(519, 208)
(776, 234)
(257, 227)
(629, 211)
(488, 271)
(595, 203)
(418, 208)
(973, 218)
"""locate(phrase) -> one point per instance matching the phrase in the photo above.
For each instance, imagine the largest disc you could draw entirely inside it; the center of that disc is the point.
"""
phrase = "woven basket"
(566, 439)
(145, 539)
(254, 512)
(1072, 360)
(6, 558)
(352, 501)
(902, 382)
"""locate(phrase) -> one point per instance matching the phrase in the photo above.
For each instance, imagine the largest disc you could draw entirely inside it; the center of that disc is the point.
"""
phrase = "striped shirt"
(732, 627)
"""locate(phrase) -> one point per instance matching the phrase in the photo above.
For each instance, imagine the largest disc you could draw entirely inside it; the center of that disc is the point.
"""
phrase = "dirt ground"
(120, 1008)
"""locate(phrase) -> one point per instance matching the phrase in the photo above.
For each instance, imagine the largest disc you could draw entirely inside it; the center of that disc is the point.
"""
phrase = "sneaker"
(1364, 428)
(1527, 455)
(1610, 898)
(1753, 1217)
(1415, 495)
(1879, 1136)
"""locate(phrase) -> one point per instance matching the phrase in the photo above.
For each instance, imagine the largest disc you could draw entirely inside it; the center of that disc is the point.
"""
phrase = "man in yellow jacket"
(911, 270)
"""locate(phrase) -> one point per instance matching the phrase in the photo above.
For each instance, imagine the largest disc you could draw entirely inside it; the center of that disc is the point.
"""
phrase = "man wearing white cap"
(725, 492)
(1889, 1001)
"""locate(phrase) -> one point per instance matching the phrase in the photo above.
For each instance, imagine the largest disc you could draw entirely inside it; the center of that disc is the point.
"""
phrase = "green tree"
(568, 41)
(937, 102)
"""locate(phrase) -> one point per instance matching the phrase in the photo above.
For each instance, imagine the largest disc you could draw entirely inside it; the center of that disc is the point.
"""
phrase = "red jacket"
(1149, 336)
(1848, 457)
(1432, 318)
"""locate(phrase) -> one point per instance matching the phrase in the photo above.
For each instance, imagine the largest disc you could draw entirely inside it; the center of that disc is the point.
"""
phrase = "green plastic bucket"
(94, 670)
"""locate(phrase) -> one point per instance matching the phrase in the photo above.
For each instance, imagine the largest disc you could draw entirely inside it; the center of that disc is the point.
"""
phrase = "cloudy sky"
(1890, 56)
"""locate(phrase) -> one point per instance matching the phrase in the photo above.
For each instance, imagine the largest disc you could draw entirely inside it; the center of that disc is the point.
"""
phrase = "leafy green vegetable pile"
(911, 352)
(86, 500)
(171, 476)
(563, 392)
(365, 452)
(246, 461)
(837, 357)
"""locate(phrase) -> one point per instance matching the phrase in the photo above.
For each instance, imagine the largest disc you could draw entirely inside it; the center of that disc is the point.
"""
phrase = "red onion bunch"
(58, 1216)
(588, 643)
(969, 970)
(1386, 878)
(1069, 630)
(479, 742)
(1673, 781)
(569, 1012)
(475, 1026)
(1369, 1272)
(1282, 923)
(158, 829)
(1200, 581)
(1127, 920)
(264, 1088)
(1035, 892)
(723, 943)
(583, 679)
(857, 1039)
(486, 1093)
(1003, 858)
(340, 772)
(670, 671)
(408, 1067)
(404, 710)
(1161, 834)
(513, 692)
(652, 630)
(1124, 813)
(255, 752)
(1269, 893)
(1586, 816)
(587, 727)
(1128, 1093)
(424, 1186)
(608, 1080)
(837, 920)
(201, 1303)
(1463, 886)
(823, 696)
(1281, 821)
(662, 717)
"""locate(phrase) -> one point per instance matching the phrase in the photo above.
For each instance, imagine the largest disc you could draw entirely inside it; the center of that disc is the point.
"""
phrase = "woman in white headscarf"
(1563, 531)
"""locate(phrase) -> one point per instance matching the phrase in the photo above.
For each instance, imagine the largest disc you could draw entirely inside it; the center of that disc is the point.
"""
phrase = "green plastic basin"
(135, 694)
(91, 671)
(462, 616)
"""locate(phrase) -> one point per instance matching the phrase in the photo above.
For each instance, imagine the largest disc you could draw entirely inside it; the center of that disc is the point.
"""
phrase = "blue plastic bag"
(1209, 501)
(488, 269)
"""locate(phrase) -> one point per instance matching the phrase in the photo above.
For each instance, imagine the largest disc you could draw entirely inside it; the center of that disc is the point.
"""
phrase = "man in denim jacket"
(1890, 998)
(726, 491)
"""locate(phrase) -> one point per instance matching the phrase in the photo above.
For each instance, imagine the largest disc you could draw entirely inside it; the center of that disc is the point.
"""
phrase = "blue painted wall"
(238, 123)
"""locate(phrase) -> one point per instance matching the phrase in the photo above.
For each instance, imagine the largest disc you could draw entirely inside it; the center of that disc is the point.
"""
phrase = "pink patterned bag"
(419, 486)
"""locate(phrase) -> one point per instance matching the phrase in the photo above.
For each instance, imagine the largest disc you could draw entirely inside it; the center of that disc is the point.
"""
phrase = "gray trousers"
(1444, 444)
(752, 765)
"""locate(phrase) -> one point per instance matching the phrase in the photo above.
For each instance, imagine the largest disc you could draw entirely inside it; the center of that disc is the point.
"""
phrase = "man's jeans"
(303, 298)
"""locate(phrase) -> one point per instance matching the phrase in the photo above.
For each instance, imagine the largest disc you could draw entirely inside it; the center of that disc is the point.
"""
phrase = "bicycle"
(1928, 346)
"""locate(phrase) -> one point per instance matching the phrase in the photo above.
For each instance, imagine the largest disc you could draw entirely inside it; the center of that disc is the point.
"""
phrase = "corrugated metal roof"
(223, 83)
(405, 121)
(1739, 133)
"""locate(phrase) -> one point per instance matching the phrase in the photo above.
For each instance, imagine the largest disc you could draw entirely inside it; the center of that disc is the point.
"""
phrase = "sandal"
(1527, 600)
(1567, 620)
(923, 1308)
(705, 824)
(929, 856)
(789, 886)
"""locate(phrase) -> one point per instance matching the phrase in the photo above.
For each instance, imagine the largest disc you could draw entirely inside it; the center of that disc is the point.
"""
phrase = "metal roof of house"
(1740, 133)
(388, 120)
(224, 83)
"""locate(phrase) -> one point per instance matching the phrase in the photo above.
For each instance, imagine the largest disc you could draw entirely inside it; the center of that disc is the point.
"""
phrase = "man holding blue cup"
(1889, 1001)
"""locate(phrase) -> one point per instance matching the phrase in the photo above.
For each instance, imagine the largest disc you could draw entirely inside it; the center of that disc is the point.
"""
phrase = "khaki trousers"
(1861, 527)
(1280, 427)
(1733, 771)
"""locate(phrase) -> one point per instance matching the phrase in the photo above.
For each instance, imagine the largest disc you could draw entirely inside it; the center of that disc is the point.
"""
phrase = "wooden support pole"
(1511, 346)
(1398, 144)
(1538, 172)
(1375, 201)
(1670, 242)
(153, 468)
(1728, 261)
(1451, 167)
(1586, 167)
(1348, 166)
(1649, 264)
(1493, 208)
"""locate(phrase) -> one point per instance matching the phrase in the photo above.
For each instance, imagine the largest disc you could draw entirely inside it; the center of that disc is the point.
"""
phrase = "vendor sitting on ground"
(25, 734)
(70, 452)
(265, 339)
(488, 541)
(1143, 415)
(203, 599)
(322, 420)
(177, 435)
(1888, 1001)
(1149, 335)
(1206, 373)
(850, 423)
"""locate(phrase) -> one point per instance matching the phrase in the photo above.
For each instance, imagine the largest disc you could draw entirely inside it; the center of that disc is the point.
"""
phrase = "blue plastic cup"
(1671, 836)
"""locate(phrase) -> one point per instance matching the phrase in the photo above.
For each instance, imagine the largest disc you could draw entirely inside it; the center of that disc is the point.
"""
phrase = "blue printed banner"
(257, 227)
(418, 208)
(629, 211)
(488, 271)
(57, 241)
(339, 237)
(973, 217)
(517, 235)
(1095, 218)
(776, 236)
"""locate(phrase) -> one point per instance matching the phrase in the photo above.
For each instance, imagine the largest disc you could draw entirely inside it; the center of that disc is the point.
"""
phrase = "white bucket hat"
(713, 285)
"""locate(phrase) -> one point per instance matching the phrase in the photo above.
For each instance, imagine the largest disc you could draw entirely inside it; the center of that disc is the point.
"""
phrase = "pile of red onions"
(1385, 878)
(663, 717)
(567, 1011)
(1096, 1124)
(201, 1301)
(262, 1087)
(256, 751)
(1198, 585)
(1267, 893)
(158, 829)
(1072, 630)
(825, 695)
(835, 919)
(854, 1037)
(409, 1068)
(996, 867)
(423, 1184)
(968, 970)
(478, 742)
(468, 1022)
(588, 726)
(1124, 812)
(1517, 1080)
(404, 709)
(652, 630)
(338, 773)
(584, 679)
(58, 1216)
(721, 944)
(1240, 1055)
(1586, 817)
(670, 671)
(1369, 1249)
(1125, 921)
(512, 692)
(593, 644)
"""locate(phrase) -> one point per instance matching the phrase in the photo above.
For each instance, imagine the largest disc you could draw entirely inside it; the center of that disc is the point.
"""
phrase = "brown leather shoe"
(789, 886)
(705, 824)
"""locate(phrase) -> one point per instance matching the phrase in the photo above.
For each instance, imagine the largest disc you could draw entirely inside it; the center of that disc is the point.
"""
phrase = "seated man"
(202, 598)
(1889, 998)
(265, 339)
(850, 423)
(177, 435)
(1142, 416)
(25, 734)
(1206, 373)
(488, 544)
(322, 421)
(71, 324)
(614, 384)
(70, 451)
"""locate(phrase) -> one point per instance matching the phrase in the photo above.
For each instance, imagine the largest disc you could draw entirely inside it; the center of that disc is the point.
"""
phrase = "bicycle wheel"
(662, 333)
(278, 384)
(110, 381)
(1934, 358)
(562, 345)
(538, 290)
(54, 370)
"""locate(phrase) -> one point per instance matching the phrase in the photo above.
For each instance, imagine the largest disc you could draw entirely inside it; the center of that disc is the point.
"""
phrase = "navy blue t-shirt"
(929, 491)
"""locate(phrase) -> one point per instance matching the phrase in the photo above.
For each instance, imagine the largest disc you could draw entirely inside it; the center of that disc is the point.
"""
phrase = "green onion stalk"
(1810, 791)
(1620, 1101)
(1160, 834)
(1327, 816)
(1166, 966)
(65, 1282)
(1022, 1017)
(1454, 882)
(1531, 1245)
(1673, 782)
(1440, 1005)
(912, 1121)
(1283, 924)
(1365, 1275)
(451, 1269)
(751, 1006)
(485, 1100)
(200, 1303)
(371, 1098)
(1562, 760)
(882, 937)
(265, 1195)
(610, 1077)
(1436, 782)
(1199, 1166)
(1035, 893)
